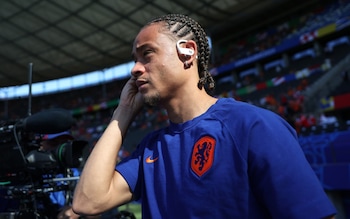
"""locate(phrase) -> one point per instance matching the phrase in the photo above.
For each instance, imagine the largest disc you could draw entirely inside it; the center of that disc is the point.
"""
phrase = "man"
(218, 158)
(49, 143)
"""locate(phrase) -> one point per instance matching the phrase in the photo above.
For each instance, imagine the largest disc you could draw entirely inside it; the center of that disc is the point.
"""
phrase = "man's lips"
(140, 82)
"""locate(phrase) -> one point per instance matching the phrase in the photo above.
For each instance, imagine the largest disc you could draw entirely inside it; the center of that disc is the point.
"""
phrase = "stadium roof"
(65, 38)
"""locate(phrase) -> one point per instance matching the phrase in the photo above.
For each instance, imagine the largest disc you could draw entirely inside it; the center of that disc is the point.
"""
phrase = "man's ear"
(187, 50)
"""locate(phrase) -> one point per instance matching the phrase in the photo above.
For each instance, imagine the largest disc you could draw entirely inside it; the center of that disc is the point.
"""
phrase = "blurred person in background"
(50, 143)
(61, 199)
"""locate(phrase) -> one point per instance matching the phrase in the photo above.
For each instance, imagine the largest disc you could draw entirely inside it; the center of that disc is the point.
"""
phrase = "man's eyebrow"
(138, 49)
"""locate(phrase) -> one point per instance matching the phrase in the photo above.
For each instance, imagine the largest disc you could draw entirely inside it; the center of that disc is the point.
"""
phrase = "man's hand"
(131, 97)
(67, 213)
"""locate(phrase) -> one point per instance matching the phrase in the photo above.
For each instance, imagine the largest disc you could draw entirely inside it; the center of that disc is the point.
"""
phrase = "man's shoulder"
(230, 106)
(229, 109)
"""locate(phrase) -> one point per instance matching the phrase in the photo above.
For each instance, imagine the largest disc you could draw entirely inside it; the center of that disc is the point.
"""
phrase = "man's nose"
(138, 69)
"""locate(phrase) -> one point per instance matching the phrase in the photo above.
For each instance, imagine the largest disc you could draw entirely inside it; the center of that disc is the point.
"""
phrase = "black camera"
(66, 155)
(19, 144)
(28, 174)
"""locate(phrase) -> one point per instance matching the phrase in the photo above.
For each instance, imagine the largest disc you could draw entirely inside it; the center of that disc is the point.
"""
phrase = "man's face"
(158, 68)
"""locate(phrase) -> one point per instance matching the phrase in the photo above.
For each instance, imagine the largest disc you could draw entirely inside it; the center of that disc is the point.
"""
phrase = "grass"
(133, 207)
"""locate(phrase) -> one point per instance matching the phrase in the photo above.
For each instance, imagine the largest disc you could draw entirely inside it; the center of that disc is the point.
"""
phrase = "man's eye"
(147, 52)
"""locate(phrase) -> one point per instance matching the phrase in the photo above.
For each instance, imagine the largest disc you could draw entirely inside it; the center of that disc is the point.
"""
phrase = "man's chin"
(152, 100)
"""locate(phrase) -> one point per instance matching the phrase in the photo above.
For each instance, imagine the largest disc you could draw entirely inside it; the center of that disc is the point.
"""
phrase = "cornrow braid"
(184, 27)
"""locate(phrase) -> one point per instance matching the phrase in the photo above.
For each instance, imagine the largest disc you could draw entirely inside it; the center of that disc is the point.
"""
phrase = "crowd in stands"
(287, 102)
(306, 21)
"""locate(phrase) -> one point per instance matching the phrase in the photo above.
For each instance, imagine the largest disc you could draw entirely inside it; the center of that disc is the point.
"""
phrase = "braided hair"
(183, 27)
